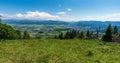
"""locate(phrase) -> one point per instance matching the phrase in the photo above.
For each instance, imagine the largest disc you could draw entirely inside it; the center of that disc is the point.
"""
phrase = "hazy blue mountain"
(29, 22)
(76, 25)
(79, 23)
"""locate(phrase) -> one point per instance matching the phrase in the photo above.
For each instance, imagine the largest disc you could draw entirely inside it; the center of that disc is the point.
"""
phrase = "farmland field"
(59, 51)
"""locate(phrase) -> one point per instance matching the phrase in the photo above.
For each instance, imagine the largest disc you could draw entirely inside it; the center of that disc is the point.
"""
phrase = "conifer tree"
(108, 34)
(26, 35)
(115, 31)
(56, 37)
(88, 34)
(19, 34)
(61, 36)
(97, 33)
(81, 35)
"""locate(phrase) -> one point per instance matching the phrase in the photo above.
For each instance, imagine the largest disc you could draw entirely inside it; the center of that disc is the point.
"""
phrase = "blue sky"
(61, 9)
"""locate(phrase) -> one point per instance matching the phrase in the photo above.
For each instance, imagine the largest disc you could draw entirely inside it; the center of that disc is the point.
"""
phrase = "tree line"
(72, 34)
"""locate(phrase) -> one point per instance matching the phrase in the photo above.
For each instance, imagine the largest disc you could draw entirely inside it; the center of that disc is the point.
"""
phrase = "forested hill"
(39, 22)
(93, 24)
(79, 23)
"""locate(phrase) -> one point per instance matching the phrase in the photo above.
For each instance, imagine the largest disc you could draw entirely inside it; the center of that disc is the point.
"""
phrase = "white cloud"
(36, 16)
(69, 9)
(111, 17)
(61, 13)
(19, 15)
(46, 16)
(1, 15)
(33, 15)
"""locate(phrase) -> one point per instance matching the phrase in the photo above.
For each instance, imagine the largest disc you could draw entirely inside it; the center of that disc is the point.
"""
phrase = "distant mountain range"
(51, 22)
(29, 22)
(92, 24)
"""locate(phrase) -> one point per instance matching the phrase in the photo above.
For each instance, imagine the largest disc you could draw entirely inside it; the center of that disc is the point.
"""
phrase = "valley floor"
(58, 51)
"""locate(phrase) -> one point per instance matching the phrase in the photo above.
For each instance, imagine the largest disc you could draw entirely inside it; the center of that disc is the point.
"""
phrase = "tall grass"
(58, 51)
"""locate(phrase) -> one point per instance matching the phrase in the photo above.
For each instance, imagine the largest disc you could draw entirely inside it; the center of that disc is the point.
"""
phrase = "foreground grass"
(58, 51)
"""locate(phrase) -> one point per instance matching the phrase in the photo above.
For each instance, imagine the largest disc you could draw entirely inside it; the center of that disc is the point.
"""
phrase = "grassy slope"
(58, 51)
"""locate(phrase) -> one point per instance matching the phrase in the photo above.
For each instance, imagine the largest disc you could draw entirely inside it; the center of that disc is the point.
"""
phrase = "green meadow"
(59, 51)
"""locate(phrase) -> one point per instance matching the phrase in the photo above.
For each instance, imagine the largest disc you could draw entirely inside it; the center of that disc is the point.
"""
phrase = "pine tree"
(71, 34)
(0, 21)
(19, 34)
(97, 33)
(91, 36)
(115, 31)
(26, 35)
(108, 34)
(55, 37)
(66, 36)
(81, 35)
(61, 36)
(88, 34)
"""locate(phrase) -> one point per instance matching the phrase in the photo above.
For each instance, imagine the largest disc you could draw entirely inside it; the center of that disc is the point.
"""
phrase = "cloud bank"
(32, 16)
(110, 17)
(36, 15)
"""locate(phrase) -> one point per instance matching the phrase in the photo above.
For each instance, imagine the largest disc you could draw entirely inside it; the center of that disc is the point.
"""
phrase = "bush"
(7, 32)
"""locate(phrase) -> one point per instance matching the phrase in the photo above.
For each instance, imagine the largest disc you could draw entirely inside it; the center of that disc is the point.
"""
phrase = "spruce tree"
(88, 34)
(19, 34)
(66, 36)
(97, 33)
(55, 37)
(71, 34)
(26, 35)
(91, 36)
(81, 35)
(108, 34)
(61, 36)
(0, 21)
(115, 31)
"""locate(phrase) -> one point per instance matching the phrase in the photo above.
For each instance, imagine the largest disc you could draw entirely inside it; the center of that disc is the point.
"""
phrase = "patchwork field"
(58, 51)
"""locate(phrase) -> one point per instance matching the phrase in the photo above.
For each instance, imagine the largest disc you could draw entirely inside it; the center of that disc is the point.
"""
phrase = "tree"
(88, 34)
(66, 36)
(115, 31)
(26, 35)
(108, 34)
(0, 21)
(97, 32)
(81, 35)
(7, 32)
(19, 34)
(56, 37)
(61, 36)
(91, 35)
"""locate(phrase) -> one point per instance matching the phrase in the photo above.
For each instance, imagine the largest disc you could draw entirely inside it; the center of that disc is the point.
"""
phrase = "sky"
(64, 10)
